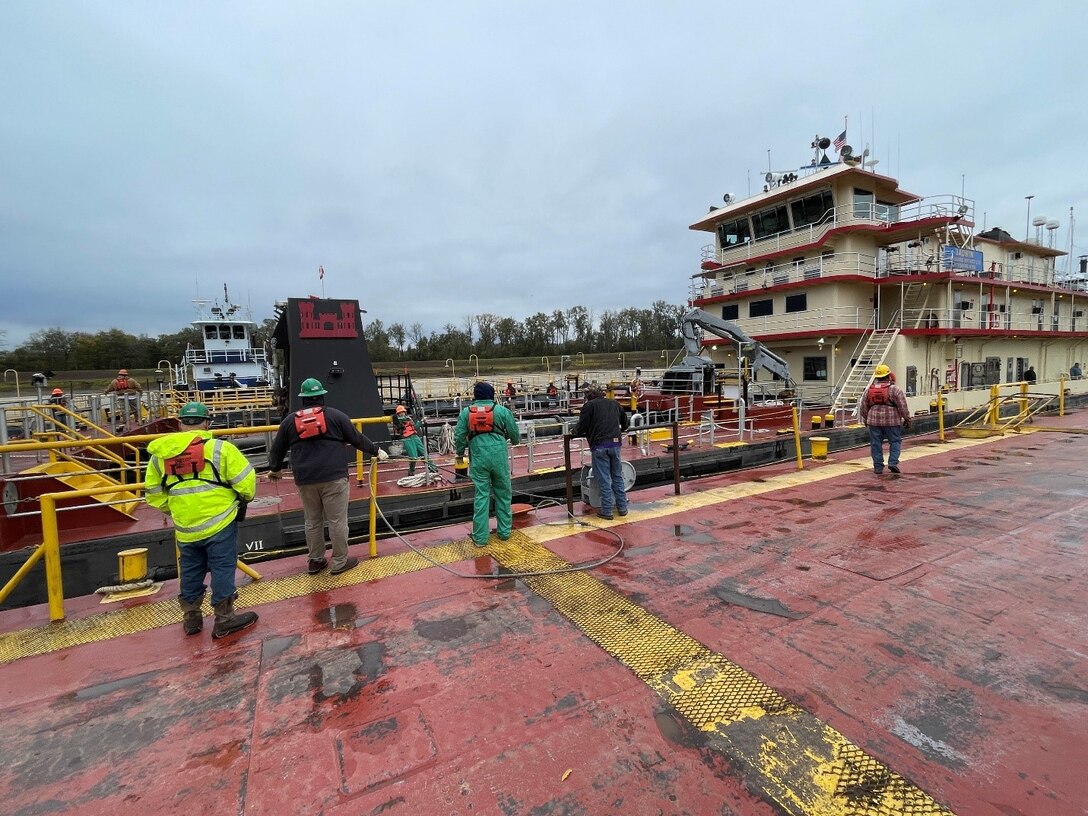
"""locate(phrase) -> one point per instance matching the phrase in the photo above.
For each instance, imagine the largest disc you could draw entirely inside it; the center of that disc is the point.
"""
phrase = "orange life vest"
(407, 428)
(310, 422)
(121, 384)
(481, 419)
(878, 393)
(187, 463)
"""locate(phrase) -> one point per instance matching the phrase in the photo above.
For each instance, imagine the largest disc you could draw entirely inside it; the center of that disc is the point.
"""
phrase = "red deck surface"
(936, 619)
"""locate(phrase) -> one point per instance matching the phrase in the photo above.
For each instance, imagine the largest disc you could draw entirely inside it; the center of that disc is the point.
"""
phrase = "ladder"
(857, 380)
(915, 298)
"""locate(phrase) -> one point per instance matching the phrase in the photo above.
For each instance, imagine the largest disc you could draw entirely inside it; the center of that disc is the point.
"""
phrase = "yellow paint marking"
(784, 753)
(120, 622)
(813, 472)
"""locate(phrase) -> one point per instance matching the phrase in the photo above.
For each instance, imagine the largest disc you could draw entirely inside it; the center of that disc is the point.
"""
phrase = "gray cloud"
(447, 159)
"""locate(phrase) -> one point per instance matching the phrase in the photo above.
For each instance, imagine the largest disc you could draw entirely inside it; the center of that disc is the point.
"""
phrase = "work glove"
(382, 455)
(906, 424)
(274, 475)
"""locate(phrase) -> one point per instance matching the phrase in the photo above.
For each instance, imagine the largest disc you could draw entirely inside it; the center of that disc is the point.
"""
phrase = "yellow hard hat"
(882, 371)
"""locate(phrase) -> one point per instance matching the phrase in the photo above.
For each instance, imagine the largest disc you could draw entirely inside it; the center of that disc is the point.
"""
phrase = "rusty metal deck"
(821, 642)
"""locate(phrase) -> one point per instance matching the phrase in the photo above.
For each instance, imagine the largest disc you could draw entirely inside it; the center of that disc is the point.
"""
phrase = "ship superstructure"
(230, 356)
(838, 269)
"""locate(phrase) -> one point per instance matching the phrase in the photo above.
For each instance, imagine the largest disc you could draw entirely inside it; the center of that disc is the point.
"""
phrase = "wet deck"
(819, 642)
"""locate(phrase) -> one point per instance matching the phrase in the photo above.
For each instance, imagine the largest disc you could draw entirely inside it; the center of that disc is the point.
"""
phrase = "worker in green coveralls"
(483, 429)
(411, 440)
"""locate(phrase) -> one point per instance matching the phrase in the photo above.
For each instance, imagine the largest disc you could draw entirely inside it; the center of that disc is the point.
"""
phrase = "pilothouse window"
(734, 233)
(863, 203)
(239, 332)
(210, 332)
(770, 222)
(811, 209)
(224, 332)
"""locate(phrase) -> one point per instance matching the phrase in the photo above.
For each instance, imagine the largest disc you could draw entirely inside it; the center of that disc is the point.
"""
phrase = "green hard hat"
(193, 409)
(312, 388)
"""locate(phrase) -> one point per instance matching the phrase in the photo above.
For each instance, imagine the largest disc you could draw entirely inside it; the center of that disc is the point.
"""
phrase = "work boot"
(227, 622)
(349, 563)
(193, 621)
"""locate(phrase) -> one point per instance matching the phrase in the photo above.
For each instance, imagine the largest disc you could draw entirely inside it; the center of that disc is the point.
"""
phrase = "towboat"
(229, 356)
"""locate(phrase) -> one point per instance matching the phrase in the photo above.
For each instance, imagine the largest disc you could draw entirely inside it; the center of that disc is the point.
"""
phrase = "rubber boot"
(227, 622)
(193, 622)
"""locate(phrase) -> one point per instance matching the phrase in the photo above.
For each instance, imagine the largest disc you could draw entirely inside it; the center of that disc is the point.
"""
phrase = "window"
(816, 368)
(886, 211)
(863, 203)
(731, 312)
(734, 233)
(797, 303)
(770, 222)
(210, 332)
(224, 332)
(239, 332)
(761, 308)
(811, 209)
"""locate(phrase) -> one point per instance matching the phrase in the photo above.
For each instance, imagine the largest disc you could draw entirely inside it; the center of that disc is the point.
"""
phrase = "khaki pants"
(326, 500)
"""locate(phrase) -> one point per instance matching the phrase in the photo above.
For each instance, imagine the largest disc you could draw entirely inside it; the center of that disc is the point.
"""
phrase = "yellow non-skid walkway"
(801, 764)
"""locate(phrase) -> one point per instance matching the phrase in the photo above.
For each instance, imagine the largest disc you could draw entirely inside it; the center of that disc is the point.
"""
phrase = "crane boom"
(757, 355)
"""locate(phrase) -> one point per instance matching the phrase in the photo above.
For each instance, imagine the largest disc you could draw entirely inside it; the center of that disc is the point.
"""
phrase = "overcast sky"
(444, 159)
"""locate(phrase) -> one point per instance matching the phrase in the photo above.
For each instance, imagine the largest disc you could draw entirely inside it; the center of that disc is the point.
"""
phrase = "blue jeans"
(608, 473)
(877, 435)
(218, 555)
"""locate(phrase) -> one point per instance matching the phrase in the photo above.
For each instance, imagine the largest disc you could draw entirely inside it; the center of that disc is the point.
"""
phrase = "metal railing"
(852, 214)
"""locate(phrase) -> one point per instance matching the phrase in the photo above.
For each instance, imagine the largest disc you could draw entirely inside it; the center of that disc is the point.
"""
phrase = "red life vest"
(553, 391)
(878, 393)
(481, 419)
(407, 428)
(122, 384)
(187, 463)
(310, 422)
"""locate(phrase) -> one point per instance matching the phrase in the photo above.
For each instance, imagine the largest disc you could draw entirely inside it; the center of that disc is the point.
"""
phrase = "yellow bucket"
(819, 446)
(132, 565)
(460, 471)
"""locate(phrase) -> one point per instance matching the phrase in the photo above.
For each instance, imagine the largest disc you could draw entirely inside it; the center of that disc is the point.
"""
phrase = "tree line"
(568, 331)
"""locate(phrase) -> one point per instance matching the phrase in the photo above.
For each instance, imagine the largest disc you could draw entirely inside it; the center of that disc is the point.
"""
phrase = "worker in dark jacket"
(602, 422)
(317, 436)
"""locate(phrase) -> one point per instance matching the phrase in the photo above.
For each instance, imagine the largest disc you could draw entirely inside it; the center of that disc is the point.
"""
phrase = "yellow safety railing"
(50, 550)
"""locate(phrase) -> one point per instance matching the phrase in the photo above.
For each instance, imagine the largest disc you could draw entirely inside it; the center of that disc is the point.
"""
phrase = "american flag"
(321, 273)
(840, 140)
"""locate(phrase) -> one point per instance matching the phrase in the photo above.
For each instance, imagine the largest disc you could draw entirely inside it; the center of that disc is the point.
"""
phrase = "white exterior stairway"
(857, 380)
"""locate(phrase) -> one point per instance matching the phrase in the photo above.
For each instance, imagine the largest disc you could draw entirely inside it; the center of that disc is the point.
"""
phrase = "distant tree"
(580, 320)
(172, 347)
(49, 349)
(396, 335)
(559, 329)
(507, 330)
(538, 334)
(608, 334)
(486, 333)
(262, 334)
